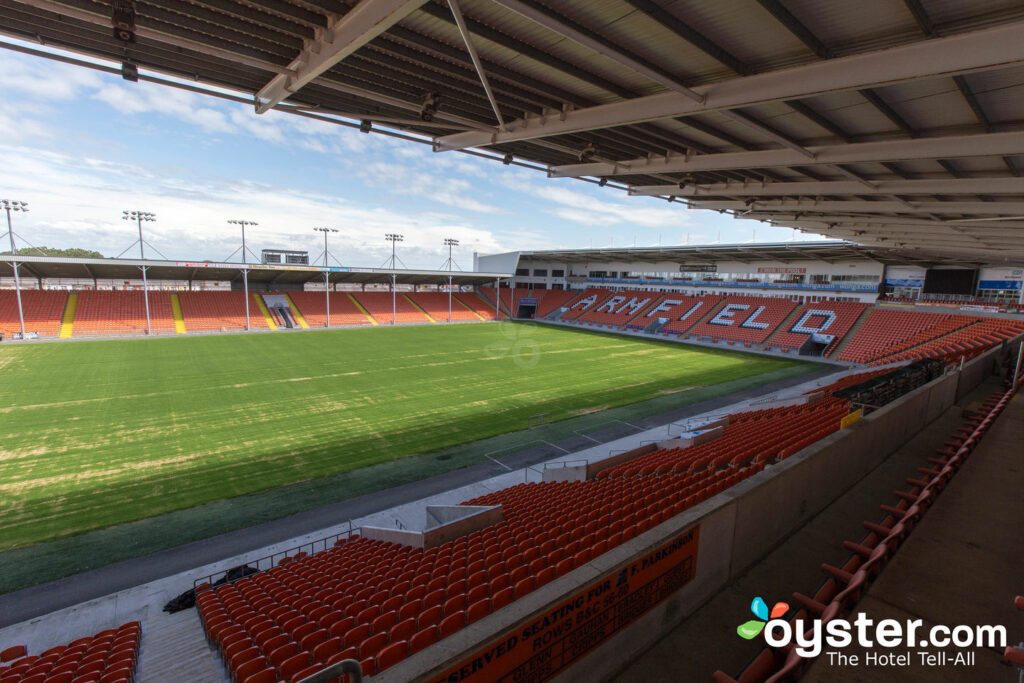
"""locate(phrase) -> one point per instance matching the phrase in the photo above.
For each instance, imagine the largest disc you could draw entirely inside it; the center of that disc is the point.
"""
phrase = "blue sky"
(87, 145)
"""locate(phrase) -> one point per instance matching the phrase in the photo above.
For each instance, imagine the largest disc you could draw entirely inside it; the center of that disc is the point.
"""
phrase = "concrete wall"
(737, 528)
(443, 523)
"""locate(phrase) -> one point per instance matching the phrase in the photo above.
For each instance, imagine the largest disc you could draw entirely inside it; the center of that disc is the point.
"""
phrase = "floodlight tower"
(245, 268)
(327, 288)
(394, 238)
(139, 217)
(15, 206)
(449, 242)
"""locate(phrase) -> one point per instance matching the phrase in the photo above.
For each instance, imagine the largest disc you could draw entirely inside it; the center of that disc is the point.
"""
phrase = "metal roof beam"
(989, 186)
(865, 221)
(363, 23)
(583, 36)
(988, 144)
(962, 53)
(984, 208)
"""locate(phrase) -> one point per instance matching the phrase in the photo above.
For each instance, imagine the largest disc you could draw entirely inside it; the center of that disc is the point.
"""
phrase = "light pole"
(9, 206)
(327, 288)
(139, 217)
(245, 270)
(449, 242)
(393, 238)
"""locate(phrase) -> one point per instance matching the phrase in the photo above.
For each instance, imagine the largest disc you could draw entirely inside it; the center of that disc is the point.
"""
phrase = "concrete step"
(174, 649)
(845, 341)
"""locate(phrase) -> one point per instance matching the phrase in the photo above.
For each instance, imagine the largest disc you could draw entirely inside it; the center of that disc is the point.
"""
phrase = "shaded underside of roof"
(894, 124)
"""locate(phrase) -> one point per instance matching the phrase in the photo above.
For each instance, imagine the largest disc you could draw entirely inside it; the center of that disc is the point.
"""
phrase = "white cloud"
(192, 214)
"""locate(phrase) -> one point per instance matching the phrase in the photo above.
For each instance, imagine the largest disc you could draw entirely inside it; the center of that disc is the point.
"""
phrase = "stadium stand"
(42, 310)
(509, 298)
(377, 602)
(313, 307)
(884, 329)
(745, 319)
(436, 306)
(110, 656)
(588, 300)
(682, 315)
(621, 308)
(219, 310)
(844, 585)
(552, 300)
(977, 334)
(478, 305)
(379, 305)
(122, 312)
(835, 318)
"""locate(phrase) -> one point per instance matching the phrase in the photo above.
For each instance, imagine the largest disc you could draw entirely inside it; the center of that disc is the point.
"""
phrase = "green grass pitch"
(94, 434)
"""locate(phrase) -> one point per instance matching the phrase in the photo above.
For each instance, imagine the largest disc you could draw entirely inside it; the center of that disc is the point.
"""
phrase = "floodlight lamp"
(365, 126)
(602, 182)
(588, 152)
(429, 106)
(507, 159)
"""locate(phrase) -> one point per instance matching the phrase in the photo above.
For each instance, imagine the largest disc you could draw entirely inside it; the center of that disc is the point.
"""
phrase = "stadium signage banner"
(541, 647)
(698, 268)
(781, 270)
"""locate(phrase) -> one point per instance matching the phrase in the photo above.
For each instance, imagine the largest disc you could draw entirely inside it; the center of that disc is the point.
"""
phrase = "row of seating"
(219, 311)
(122, 312)
(383, 307)
(844, 585)
(110, 656)
(313, 307)
(833, 318)
(436, 304)
(378, 602)
(978, 335)
(745, 319)
(42, 311)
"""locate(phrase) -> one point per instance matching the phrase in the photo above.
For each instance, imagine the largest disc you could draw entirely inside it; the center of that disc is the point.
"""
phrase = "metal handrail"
(336, 670)
(270, 561)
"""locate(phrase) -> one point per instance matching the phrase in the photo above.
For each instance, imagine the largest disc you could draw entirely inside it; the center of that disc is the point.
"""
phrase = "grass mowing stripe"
(100, 433)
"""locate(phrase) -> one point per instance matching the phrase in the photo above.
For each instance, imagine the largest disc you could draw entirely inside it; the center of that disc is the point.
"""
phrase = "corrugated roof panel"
(852, 27)
(972, 14)
(931, 104)
(1000, 93)
(854, 114)
(556, 45)
(745, 30)
(644, 37)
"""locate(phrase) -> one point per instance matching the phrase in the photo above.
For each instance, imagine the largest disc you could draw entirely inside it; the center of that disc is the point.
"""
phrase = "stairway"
(838, 349)
(783, 326)
(67, 322)
(174, 649)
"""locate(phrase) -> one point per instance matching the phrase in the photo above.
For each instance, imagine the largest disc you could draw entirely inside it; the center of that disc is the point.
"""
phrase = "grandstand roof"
(885, 123)
(827, 251)
(129, 269)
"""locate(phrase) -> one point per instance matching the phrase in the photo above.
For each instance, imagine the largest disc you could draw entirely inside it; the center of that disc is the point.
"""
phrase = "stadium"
(731, 462)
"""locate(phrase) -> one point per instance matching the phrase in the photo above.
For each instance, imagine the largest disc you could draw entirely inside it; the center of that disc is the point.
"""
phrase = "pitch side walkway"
(707, 640)
(143, 584)
(963, 564)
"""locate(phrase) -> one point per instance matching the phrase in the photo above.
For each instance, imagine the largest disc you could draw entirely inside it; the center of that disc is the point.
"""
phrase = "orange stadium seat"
(745, 319)
(122, 312)
(313, 307)
(436, 306)
(380, 600)
(379, 305)
(219, 310)
(42, 309)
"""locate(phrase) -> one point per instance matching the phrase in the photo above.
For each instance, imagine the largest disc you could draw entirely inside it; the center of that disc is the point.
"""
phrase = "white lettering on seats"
(724, 316)
(750, 322)
(801, 326)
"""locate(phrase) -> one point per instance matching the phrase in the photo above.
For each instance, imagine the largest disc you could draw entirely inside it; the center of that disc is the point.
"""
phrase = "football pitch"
(94, 434)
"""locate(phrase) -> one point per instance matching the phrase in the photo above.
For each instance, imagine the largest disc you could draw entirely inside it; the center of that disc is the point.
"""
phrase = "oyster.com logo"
(752, 629)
